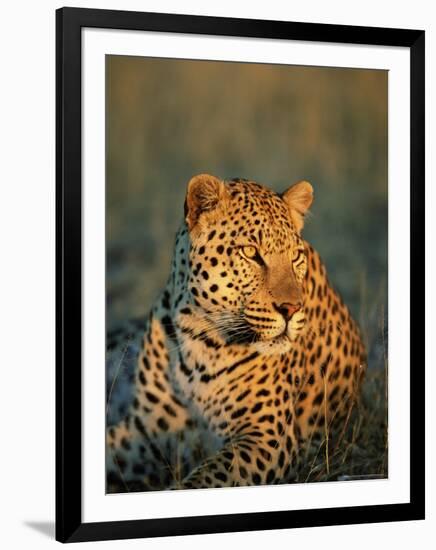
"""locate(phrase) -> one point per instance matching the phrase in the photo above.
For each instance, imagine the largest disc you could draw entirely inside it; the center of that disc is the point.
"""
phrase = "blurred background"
(170, 119)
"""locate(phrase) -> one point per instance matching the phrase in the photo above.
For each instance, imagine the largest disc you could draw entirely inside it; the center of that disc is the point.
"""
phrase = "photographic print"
(246, 274)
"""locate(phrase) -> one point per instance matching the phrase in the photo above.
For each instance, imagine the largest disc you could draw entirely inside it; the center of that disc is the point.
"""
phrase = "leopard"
(247, 358)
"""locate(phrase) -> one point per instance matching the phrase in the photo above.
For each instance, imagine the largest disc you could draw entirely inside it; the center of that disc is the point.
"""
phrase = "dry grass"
(362, 452)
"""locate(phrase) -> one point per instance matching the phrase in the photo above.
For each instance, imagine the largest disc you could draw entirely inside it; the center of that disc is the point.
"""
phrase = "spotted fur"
(249, 352)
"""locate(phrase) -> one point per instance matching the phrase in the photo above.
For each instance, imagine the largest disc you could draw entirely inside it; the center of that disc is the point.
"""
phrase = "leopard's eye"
(251, 253)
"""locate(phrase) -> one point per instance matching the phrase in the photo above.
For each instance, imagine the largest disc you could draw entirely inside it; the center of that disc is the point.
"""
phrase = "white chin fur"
(282, 344)
(291, 333)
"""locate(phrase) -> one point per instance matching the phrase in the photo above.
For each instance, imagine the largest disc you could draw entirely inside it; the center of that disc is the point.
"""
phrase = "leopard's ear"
(204, 194)
(299, 198)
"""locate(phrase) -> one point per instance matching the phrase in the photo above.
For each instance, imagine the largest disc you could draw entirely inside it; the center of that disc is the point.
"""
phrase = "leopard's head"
(247, 259)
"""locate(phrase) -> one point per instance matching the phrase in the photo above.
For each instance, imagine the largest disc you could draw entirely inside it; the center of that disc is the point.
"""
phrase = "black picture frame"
(69, 23)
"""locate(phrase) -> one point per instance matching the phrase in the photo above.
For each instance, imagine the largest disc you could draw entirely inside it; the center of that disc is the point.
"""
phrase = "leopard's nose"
(287, 309)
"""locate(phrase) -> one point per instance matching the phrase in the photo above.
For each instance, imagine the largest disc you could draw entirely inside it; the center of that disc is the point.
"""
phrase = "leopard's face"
(247, 267)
